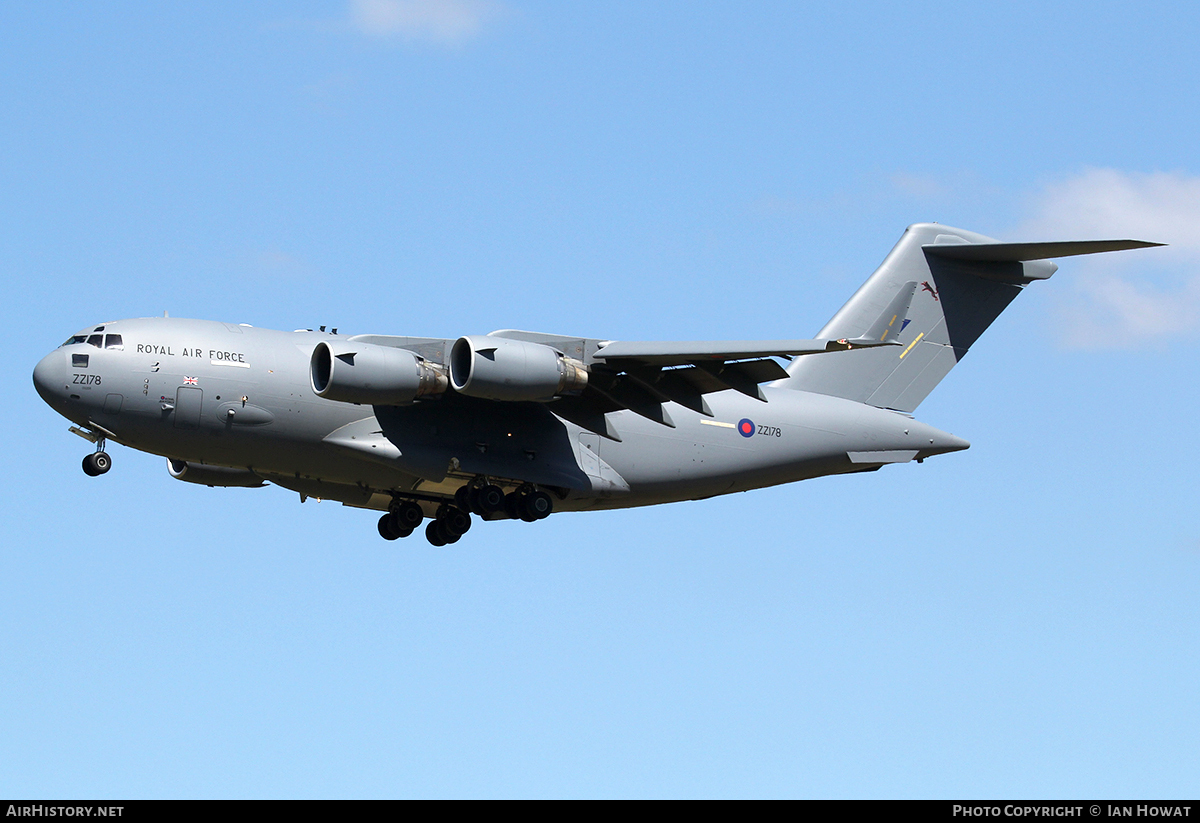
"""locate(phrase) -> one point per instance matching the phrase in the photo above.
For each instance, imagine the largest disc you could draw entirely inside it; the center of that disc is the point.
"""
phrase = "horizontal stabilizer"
(1020, 252)
(963, 281)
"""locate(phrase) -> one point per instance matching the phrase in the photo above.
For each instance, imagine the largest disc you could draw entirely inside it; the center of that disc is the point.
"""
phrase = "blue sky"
(1019, 619)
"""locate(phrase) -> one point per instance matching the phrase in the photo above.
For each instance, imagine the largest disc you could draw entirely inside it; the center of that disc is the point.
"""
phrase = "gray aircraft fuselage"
(211, 393)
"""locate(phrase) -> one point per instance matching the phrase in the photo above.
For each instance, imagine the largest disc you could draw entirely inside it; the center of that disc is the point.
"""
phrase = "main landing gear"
(450, 524)
(401, 521)
(453, 519)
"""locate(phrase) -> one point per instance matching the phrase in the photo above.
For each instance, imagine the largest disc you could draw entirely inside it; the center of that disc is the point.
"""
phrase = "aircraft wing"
(644, 376)
(881, 333)
(689, 352)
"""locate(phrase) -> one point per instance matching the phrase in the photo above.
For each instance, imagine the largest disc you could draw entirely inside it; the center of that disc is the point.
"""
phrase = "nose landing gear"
(98, 462)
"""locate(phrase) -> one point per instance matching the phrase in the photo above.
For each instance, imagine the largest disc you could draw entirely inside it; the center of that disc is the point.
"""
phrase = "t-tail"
(945, 286)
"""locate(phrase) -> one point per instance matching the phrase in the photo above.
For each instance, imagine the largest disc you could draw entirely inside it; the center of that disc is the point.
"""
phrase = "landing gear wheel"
(408, 515)
(385, 528)
(398, 526)
(512, 505)
(462, 498)
(491, 498)
(474, 502)
(536, 506)
(455, 522)
(433, 533)
(96, 464)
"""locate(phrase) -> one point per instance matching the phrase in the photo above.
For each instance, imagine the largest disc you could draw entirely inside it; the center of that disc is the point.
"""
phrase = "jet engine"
(376, 375)
(213, 475)
(497, 368)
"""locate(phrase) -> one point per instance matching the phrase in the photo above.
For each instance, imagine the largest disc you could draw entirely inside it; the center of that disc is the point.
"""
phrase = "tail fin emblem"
(926, 287)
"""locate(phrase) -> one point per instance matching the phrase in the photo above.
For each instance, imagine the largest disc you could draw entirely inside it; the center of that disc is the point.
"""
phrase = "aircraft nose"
(48, 375)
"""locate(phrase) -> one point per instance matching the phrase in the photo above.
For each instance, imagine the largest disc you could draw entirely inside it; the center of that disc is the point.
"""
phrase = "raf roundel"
(745, 427)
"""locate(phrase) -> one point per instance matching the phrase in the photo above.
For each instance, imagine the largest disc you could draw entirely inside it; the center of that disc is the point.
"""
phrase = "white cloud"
(1126, 298)
(446, 22)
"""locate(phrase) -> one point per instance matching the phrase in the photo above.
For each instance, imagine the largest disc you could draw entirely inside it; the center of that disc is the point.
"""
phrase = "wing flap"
(687, 352)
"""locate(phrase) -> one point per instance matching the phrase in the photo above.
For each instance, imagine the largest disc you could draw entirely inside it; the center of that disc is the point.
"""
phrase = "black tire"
(455, 522)
(512, 505)
(102, 462)
(399, 528)
(474, 504)
(385, 528)
(88, 468)
(536, 506)
(448, 537)
(491, 498)
(409, 515)
(433, 533)
(462, 498)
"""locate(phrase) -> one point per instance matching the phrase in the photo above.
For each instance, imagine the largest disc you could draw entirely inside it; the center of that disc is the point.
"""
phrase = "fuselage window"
(113, 341)
(96, 340)
(79, 361)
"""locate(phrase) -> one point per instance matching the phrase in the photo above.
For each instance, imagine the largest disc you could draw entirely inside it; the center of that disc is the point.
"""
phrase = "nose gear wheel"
(96, 464)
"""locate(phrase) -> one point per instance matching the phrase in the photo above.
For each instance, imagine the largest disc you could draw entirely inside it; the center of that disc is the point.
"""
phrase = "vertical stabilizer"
(950, 302)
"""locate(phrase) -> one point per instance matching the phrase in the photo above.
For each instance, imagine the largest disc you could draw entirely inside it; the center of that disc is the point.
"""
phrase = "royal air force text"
(213, 354)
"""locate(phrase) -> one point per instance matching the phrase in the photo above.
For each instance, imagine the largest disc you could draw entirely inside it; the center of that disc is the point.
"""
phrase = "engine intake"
(497, 368)
(213, 475)
(376, 375)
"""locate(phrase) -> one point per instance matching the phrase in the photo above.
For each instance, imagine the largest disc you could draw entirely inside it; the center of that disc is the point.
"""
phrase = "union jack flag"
(190, 381)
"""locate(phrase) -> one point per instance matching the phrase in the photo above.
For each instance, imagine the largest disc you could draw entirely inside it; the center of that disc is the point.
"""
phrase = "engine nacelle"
(375, 375)
(213, 475)
(497, 368)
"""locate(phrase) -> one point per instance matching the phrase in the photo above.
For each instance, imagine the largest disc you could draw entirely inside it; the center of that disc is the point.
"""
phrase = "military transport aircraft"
(516, 424)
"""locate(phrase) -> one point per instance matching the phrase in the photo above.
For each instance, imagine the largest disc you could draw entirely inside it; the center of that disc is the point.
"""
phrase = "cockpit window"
(98, 328)
(76, 338)
(96, 340)
(113, 341)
